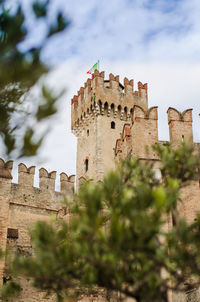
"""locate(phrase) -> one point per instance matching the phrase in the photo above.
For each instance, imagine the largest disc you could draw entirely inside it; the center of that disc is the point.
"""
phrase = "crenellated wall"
(142, 132)
(180, 125)
(100, 96)
(111, 121)
(22, 204)
(138, 135)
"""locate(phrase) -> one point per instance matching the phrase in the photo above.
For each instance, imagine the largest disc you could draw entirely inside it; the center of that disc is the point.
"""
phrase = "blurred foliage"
(118, 237)
(11, 289)
(20, 70)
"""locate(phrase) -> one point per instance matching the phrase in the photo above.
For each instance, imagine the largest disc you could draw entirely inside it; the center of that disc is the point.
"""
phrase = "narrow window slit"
(112, 125)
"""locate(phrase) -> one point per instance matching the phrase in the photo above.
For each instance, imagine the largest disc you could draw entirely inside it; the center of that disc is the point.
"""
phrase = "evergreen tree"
(20, 69)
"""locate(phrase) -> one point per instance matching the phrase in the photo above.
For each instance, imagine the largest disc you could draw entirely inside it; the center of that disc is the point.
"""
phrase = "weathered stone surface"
(111, 121)
(21, 205)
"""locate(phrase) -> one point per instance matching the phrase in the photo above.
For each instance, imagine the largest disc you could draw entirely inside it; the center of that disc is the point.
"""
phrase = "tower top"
(98, 92)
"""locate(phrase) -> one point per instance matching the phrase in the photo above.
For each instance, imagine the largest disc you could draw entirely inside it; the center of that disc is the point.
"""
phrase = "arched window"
(88, 132)
(131, 112)
(86, 164)
(112, 109)
(125, 112)
(119, 108)
(112, 125)
(100, 105)
(105, 107)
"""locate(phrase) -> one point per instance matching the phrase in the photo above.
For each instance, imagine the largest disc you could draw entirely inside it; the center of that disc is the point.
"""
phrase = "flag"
(94, 67)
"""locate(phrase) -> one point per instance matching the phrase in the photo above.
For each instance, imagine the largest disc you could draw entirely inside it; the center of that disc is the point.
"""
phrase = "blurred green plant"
(118, 238)
(20, 70)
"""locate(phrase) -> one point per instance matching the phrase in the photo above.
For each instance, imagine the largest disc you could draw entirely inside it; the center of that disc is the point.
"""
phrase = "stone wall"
(99, 113)
(111, 121)
(21, 206)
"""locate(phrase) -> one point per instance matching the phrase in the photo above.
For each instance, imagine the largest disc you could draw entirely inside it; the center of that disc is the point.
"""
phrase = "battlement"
(5, 169)
(107, 97)
(142, 132)
(26, 177)
(180, 125)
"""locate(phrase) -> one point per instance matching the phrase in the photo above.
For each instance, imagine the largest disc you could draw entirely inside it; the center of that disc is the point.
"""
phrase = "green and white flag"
(94, 67)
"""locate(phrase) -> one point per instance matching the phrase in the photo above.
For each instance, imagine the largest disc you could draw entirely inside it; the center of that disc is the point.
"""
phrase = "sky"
(153, 41)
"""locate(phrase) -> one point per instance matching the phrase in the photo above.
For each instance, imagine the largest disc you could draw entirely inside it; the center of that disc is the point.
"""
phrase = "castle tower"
(180, 126)
(98, 115)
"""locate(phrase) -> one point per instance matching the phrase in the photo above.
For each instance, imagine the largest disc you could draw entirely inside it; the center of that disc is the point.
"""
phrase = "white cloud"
(160, 46)
(118, 30)
(170, 85)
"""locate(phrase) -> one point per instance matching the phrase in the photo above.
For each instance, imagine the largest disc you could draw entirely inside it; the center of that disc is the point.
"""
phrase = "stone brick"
(111, 121)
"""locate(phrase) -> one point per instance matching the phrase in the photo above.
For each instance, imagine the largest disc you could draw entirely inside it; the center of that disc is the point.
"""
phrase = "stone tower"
(98, 115)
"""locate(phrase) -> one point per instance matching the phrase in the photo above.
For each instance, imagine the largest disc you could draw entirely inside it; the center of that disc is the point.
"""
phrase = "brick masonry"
(103, 102)
(21, 206)
(111, 121)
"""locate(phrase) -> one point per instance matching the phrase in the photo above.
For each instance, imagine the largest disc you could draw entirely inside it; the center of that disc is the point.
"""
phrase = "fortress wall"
(144, 131)
(22, 205)
(5, 183)
(29, 204)
(123, 145)
(180, 126)
(189, 205)
(139, 135)
(94, 109)
(180, 129)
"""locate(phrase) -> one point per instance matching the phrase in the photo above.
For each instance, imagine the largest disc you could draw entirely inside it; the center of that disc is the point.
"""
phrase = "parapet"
(66, 182)
(140, 133)
(5, 169)
(151, 113)
(46, 179)
(180, 125)
(100, 96)
(175, 115)
(26, 177)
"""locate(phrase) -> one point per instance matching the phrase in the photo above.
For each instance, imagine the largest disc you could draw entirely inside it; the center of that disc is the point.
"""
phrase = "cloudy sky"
(154, 41)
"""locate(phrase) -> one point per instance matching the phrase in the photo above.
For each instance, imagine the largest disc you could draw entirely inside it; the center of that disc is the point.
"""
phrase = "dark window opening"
(86, 165)
(12, 233)
(88, 132)
(182, 138)
(112, 107)
(112, 125)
